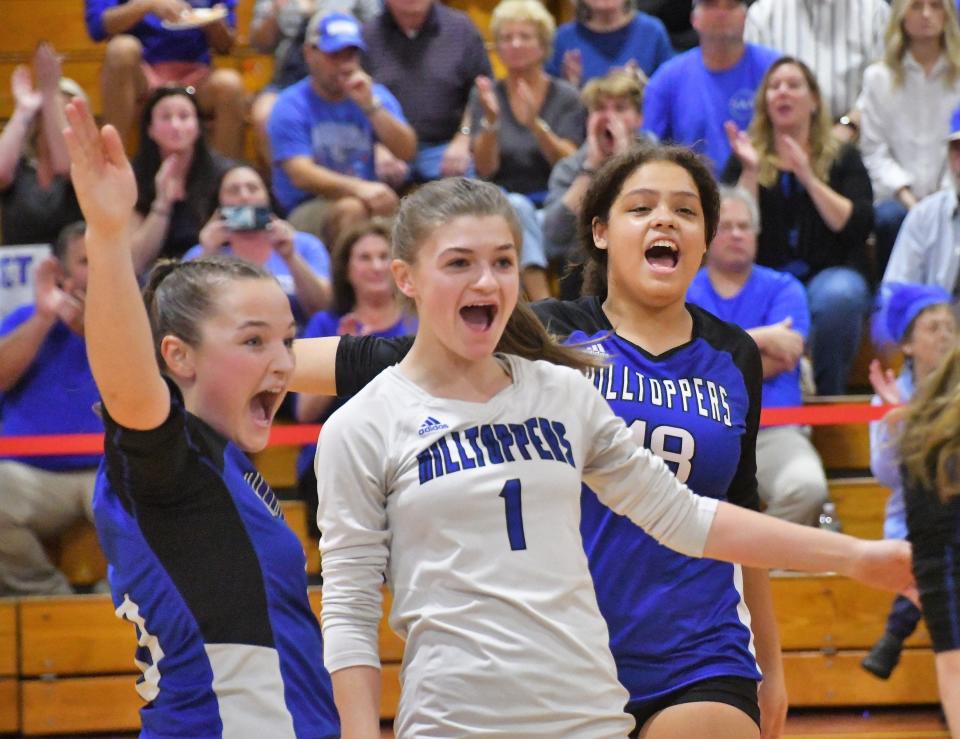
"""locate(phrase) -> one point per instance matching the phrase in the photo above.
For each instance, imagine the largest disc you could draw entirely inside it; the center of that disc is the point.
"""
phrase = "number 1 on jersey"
(514, 513)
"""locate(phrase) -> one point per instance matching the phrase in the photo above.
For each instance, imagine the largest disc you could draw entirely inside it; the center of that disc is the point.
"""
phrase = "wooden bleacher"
(76, 656)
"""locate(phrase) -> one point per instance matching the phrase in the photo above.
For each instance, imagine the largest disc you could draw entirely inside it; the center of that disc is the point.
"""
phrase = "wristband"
(373, 107)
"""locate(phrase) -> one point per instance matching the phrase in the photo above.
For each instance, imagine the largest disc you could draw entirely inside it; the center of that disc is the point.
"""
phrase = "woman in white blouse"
(905, 108)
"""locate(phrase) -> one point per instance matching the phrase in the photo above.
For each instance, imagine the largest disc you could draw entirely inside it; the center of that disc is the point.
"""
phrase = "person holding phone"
(244, 225)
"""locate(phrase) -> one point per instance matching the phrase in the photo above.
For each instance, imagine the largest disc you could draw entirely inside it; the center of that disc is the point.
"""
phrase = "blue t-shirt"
(204, 566)
(768, 297)
(326, 323)
(338, 136)
(55, 395)
(644, 39)
(308, 246)
(687, 103)
(159, 43)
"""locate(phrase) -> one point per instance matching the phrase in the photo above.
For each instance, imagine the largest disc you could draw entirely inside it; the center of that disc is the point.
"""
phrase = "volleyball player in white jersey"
(456, 475)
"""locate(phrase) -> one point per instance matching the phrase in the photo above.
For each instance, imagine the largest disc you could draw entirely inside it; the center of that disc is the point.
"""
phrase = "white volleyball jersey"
(471, 512)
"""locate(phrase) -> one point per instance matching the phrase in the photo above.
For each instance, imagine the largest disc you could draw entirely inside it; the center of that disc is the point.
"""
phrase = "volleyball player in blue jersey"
(201, 560)
(689, 385)
(455, 477)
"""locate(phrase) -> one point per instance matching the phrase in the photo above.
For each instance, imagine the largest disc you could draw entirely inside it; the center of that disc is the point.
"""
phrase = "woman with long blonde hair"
(931, 465)
(920, 71)
(815, 209)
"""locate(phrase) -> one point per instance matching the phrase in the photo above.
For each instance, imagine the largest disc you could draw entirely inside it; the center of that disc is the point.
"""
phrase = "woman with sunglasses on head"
(176, 174)
(816, 210)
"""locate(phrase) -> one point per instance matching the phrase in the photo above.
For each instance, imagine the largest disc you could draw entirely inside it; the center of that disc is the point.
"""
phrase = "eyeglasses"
(730, 227)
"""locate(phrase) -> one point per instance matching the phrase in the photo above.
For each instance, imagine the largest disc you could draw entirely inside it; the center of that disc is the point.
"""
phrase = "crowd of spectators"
(833, 120)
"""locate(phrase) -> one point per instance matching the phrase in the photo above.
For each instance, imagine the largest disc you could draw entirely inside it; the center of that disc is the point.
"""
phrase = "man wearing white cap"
(323, 130)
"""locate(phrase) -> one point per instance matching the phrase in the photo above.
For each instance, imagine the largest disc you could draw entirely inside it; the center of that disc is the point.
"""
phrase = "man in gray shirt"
(927, 250)
(428, 56)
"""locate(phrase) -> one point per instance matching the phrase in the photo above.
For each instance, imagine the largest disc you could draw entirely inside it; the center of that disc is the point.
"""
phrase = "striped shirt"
(837, 39)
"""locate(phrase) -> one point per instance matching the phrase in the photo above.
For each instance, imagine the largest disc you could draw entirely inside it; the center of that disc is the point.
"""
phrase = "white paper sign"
(17, 265)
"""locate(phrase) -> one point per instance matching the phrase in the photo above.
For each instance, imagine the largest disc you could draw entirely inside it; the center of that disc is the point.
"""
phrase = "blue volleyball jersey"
(673, 620)
(214, 581)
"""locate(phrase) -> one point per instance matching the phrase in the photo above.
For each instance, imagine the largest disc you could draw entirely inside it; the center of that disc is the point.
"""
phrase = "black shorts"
(739, 692)
(934, 532)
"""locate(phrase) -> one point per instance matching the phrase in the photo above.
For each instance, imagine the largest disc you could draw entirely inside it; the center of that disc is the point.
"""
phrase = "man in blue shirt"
(45, 388)
(690, 97)
(161, 42)
(323, 130)
(772, 307)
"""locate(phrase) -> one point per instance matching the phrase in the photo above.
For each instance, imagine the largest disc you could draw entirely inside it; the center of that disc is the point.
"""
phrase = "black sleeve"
(150, 466)
(743, 488)
(562, 317)
(361, 358)
(849, 178)
(731, 171)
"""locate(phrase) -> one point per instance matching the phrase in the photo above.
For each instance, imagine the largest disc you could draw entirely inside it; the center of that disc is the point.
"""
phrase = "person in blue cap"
(323, 130)
(919, 319)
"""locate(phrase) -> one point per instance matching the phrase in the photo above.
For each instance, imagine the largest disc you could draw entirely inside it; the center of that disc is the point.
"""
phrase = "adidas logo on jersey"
(431, 425)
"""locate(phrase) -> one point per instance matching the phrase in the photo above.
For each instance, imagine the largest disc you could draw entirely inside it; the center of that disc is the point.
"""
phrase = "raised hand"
(359, 88)
(599, 142)
(100, 171)
(281, 237)
(572, 67)
(46, 66)
(742, 147)
(794, 158)
(214, 234)
(27, 99)
(170, 181)
(884, 383)
(526, 111)
(488, 98)
(56, 301)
